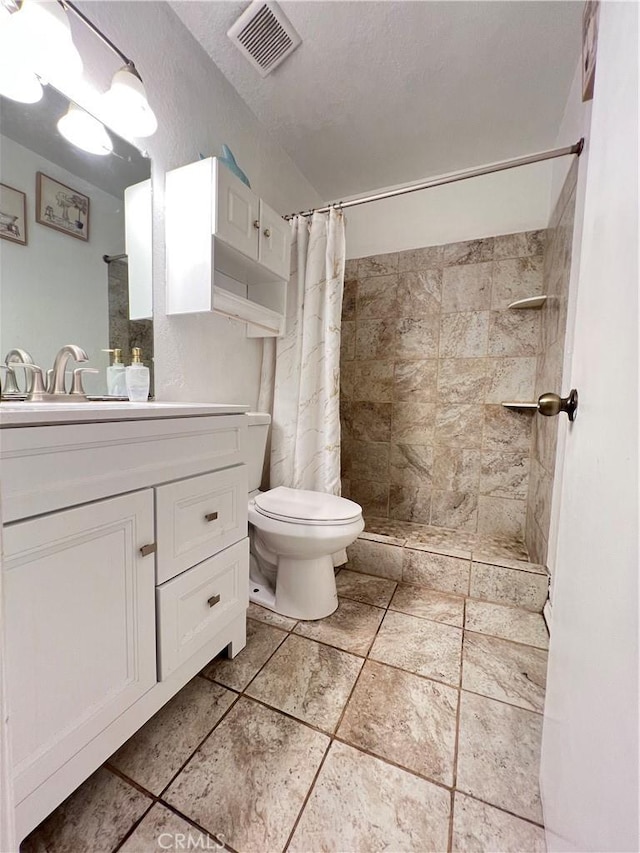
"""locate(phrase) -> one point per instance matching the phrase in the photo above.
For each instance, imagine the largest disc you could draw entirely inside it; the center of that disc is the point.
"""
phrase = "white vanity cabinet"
(227, 250)
(126, 569)
(80, 627)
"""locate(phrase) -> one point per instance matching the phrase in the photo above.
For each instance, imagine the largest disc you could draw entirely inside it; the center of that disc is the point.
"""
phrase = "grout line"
(197, 826)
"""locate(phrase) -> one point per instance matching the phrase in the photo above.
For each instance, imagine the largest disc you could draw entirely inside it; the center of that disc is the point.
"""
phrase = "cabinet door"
(237, 213)
(275, 242)
(80, 628)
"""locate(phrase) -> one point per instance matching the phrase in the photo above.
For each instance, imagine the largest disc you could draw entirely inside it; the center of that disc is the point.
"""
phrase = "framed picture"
(589, 47)
(61, 207)
(13, 215)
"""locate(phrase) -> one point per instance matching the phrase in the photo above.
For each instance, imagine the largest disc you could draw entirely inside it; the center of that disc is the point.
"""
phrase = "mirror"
(62, 210)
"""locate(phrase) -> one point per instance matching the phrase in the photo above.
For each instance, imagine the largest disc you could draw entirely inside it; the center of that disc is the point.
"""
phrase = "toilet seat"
(297, 506)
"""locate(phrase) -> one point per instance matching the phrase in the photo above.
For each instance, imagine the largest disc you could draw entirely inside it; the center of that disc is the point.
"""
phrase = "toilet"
(294, 536)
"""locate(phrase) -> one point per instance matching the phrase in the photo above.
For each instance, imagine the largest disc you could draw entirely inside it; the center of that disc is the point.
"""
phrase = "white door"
(275, 242)
(589, 773)
(237, 219)
(80, 628)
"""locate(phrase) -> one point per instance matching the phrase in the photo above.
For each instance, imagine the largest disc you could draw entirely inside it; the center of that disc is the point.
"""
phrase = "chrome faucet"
(67, 352)
(17, 356)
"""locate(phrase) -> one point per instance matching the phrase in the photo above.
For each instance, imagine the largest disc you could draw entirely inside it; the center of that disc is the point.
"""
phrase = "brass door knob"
(550, 404)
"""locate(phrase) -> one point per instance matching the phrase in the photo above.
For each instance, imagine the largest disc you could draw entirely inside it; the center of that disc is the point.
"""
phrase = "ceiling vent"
(264, 35)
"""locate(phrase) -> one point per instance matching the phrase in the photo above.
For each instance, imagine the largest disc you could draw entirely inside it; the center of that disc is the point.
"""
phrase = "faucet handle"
(76, 386)
(11, 383)
(38, 389)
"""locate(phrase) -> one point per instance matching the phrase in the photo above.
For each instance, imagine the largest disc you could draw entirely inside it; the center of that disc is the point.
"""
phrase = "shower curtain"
(300, 381)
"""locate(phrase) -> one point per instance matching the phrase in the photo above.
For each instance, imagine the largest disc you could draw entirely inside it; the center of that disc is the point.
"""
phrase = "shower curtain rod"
(451, 178)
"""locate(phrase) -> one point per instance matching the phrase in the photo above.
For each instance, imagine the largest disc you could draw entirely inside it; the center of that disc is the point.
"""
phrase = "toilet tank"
(258, 432)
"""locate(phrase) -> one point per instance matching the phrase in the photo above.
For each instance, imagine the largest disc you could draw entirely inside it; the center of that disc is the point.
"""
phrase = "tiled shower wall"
(553, 321)
(123, 332)
(429, 351)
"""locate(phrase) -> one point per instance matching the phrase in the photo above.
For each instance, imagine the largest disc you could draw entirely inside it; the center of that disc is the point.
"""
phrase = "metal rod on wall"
(452, 178)
(110, 258)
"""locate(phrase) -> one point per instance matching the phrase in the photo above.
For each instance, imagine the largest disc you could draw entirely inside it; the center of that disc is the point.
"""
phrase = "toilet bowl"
(294, 534)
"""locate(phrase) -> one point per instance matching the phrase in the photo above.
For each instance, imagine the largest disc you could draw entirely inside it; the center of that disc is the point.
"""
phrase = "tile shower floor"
(409, 720)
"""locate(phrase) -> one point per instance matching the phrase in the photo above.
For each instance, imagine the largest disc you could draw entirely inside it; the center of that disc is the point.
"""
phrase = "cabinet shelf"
(262, 322)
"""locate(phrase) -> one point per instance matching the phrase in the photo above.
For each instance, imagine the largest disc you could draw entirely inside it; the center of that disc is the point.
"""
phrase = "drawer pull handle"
(256, 224)
(211, 516)
(148, 549)
(267, 232)
(213, 600)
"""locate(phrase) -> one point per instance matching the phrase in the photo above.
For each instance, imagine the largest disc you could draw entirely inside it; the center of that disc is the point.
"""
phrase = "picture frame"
(61, 207)
(13, 215)
(589, 47)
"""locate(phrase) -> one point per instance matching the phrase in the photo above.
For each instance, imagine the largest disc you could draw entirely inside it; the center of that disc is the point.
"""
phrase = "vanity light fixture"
(38, 36)
(126, 104)
(84, 131)
(17, 81)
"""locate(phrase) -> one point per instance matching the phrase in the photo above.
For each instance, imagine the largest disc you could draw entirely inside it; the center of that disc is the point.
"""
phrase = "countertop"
(46, 414)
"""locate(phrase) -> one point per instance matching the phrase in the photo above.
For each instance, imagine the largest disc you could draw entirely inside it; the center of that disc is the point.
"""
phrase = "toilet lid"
(306, 507)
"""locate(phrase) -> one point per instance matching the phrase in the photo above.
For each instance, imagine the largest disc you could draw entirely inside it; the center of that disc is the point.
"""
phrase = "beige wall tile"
(506, 430)
(464, 334)
(347, 340)
(514, 333)
(413, 423)
(410, 503)
(462, 380)
(515, 279)
(378, 265)
(376, 558)
(505, 474)
(436, 571)
(519, 245)
(509, 586)
(466, 287)
(419, 293)
(377, 297)
(411, 464)
(373, 381)
(468, 251)
(456, 469)
(454, 509)
(511, 379)
(369, 461)
(415, 381)
(374, 338)
(501, 516)
(349, 297)
(367, 421)
(429, 257)
(417, 337)
(459, 425)
(373, 497)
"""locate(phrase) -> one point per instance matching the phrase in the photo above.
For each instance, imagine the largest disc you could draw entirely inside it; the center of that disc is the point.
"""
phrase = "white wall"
(502, 203)
(198, 357)
(54, 289)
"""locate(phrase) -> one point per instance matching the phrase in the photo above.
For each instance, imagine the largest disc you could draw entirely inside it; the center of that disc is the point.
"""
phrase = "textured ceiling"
(382, 93)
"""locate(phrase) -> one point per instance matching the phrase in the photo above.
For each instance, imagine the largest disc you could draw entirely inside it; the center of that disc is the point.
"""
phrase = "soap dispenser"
(116, 379)
(137, 378)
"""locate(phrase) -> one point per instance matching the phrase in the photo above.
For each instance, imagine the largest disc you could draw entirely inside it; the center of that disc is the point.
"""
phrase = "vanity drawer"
(194, 607)
(198, 517)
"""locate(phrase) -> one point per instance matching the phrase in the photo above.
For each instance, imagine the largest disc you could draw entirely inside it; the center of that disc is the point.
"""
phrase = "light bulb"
(84, 131)
(19, 84)
(127, 107)
(39, 36)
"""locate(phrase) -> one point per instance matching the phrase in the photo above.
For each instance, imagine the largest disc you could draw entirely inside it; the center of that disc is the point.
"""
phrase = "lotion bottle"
(116, 382)
(137, 378)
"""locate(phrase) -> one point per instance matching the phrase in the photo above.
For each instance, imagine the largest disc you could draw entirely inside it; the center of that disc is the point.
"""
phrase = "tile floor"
(409, 720)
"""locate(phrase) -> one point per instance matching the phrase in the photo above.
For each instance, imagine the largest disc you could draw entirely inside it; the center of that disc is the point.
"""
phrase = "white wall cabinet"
(222, 240)
(101, 634)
